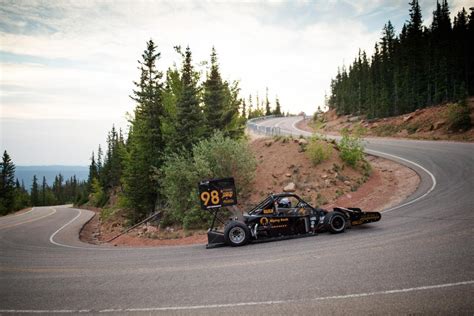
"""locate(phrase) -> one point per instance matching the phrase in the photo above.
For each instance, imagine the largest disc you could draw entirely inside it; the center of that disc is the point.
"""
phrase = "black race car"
(286, 215)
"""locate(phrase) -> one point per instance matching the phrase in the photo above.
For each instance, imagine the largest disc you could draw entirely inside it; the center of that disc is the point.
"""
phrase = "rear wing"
(358, 217)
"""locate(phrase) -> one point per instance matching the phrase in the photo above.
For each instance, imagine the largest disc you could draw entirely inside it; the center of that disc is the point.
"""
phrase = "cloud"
(77, 59)
(257, 44)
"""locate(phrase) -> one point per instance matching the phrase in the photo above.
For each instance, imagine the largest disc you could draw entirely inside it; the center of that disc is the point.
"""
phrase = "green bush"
(217, 157)
(351, 150)
(412, 128)
(98, 197)
(318, 150)
(359, 130)
(458, 117)
(106, 213)
(386, 130)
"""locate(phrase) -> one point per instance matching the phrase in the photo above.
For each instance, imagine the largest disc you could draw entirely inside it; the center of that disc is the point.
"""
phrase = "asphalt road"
(418, 259)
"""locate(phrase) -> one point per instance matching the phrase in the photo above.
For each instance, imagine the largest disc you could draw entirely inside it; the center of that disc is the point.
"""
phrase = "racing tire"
(336, 223)
(236, 234)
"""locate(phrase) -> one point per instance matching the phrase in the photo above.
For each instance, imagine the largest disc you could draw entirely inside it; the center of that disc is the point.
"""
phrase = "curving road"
(418, 259)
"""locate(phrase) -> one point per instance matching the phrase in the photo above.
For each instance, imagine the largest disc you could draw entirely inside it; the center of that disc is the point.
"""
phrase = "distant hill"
(26, 173)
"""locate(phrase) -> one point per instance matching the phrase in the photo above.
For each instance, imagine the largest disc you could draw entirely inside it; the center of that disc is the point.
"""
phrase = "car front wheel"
(236, 234)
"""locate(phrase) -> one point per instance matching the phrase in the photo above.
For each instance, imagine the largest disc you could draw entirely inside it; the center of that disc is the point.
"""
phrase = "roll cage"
(273, 200)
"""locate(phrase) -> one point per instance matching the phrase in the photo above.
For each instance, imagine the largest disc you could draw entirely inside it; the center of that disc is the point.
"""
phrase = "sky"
(67, 67)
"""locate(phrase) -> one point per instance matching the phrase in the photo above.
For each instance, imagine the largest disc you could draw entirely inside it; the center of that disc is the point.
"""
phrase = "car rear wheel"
(336, 223)
(236, 234)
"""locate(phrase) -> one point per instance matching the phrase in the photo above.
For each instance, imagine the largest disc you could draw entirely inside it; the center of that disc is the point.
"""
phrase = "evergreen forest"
(420, 67)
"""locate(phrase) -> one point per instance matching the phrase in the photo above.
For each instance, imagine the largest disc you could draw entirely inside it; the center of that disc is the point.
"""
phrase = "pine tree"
(461, 55)
(34, 192)
(113, 164)
(214, 97)
(268, 110)
(470, 55)
(171, 94)
(145, 143)
(99, 162)
(7, 184)
(257, 107)
(22, 198)
(44, 186)
(58, 188)
(250, 114)
(93, 171)
(415, 44)
(244, 109)
(190, 127)
(233, 123)
(277, 107)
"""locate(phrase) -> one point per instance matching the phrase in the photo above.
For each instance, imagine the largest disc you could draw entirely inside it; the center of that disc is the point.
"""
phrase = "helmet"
(284, 202)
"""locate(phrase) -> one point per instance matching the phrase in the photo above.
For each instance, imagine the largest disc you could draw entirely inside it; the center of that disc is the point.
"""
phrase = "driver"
(284, 202)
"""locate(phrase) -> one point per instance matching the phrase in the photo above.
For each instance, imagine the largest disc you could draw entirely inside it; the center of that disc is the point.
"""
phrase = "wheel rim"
(237, 235)
(337, 223)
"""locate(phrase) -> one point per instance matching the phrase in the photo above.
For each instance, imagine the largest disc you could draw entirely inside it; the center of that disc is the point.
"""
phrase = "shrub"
(217, 157)
(318, 150)
(386, 130)
(351, 150)
(458, 117)
(359, 130)
(106, 213)
(412, 128)
(98, 197)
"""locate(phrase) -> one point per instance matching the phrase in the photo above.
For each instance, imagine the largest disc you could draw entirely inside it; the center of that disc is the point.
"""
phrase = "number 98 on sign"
(217, 193)
(210, 199)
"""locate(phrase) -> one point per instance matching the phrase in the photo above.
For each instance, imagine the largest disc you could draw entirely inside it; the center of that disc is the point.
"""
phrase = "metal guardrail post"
(271, 131)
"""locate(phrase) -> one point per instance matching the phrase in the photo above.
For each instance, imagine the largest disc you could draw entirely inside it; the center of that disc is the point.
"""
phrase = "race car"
(279, 216)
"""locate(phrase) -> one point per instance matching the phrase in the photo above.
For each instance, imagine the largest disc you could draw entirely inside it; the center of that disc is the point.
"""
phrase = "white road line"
(279, 122)
(230, 305)
(433, 180)
(296, 128)
(29, 221)
(40, 311)
(51, 239)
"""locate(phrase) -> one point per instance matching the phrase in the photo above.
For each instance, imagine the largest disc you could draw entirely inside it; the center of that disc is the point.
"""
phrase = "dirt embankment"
(330, 183)
(282, 163)
(430, 123)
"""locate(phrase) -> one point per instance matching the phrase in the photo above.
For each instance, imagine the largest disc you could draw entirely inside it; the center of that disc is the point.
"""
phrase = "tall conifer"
(145, 143)
(214, 96)
(34, 192)
(190, 127)
(7, 184)
(268, 110)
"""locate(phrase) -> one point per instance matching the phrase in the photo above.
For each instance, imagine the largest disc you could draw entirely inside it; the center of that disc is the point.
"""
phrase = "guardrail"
(253, 126)
(265, 130)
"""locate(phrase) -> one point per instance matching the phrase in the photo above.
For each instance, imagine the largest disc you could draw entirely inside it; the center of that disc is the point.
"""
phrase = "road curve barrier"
(263, 130)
